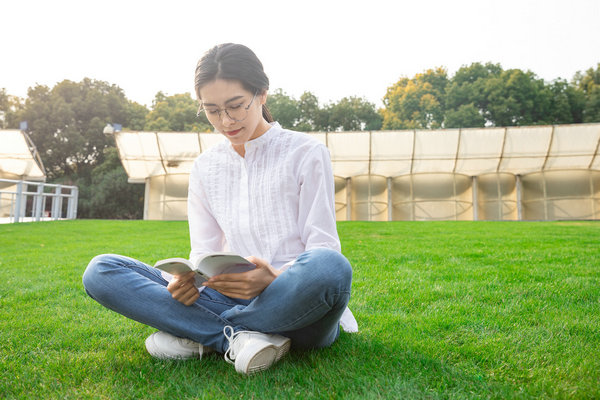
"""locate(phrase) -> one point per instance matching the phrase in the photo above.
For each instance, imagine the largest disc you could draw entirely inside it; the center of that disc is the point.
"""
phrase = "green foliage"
(284, 109)
(466, 96)
(567, 103)
(106, 193)
(486, 95)
(305, 114)
(589, 84)
(10, 106)
(176, 113)
(447, 310)
(66, 123)
(517, 98)
(111, 195)
(352, 114)
(416, 103)
(137, 116)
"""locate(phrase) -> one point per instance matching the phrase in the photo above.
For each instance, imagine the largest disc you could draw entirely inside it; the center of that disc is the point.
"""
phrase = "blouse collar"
(263, 139)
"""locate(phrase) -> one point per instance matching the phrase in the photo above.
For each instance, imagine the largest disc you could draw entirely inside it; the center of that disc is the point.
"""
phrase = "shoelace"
(230, 335)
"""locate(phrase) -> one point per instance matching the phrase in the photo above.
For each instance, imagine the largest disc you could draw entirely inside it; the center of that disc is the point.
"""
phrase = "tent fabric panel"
(179, 145)
(391, 152)
(138, 145)
(167, 197)
(573, 147)
(349, 153)
(525, 149)
(435, 151)
(348, 169)
(16, 158)
(479, 150)
(436, 145)
(351, 146)
(392, 145)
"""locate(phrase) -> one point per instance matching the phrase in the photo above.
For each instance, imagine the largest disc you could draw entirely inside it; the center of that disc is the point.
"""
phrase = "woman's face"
(220, 96)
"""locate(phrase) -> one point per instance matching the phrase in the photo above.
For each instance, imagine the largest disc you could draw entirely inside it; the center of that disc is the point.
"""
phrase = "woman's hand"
(183, 289)
(245, 285)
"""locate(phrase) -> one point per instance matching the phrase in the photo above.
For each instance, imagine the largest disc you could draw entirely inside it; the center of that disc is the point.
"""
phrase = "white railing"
(20, 204)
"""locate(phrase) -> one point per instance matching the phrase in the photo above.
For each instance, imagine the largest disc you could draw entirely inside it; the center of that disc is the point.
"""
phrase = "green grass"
(447, 310)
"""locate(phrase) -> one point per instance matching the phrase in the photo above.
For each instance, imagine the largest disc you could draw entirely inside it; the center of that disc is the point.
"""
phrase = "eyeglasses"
(236, 112)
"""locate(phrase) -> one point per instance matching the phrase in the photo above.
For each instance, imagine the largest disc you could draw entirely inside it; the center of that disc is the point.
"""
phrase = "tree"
(466, 96)
(137, 116)
(465, 116)
(416, 103)
(312, 117)
(566, 104)
(589, 84)
(517, 98)
(9, 107)
(284, 109)
(110, 195)
(176, 113)
(66, 123)
(352, 114)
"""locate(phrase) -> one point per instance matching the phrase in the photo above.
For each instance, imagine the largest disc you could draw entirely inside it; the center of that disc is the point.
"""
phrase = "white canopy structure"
(19, 158)
(19, 162)
(514, 173)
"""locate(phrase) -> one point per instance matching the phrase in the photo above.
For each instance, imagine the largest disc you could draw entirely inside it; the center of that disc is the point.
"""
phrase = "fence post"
(72, 203)
(39, 201)
(18, 202)
(57, 203)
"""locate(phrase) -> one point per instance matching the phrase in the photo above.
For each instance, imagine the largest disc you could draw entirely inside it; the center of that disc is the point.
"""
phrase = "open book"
(207, 266)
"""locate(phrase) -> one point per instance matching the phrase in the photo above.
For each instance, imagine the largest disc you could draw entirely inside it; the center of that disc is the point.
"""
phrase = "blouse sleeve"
(316, 216)
(206, 235)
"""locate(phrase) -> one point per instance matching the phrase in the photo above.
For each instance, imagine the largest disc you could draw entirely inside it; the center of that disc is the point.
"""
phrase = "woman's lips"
(233, 133)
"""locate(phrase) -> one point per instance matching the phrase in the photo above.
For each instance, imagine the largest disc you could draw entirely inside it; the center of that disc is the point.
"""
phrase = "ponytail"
(267, 114)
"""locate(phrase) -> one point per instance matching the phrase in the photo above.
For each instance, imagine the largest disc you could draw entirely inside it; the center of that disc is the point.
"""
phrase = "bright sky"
(329, 47)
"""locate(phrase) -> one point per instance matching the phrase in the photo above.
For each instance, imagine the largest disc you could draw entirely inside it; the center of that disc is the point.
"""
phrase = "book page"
(174, 266)
(223, 263)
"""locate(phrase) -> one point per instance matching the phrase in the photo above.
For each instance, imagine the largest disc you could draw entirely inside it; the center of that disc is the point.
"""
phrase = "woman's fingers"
(182, 288)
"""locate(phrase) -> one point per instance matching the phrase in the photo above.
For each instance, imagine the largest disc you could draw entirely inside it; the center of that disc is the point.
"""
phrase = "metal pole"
(146, 198)
(475, 200)
(412, 199)
(519, 199)
(348, 199)
(389, 198)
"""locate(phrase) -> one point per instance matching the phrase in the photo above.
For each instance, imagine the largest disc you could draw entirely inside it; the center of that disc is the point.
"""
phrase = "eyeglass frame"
(220, 110)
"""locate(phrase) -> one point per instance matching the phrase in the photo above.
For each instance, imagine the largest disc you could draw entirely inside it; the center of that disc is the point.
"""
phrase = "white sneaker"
(254, 351)
(165, 346)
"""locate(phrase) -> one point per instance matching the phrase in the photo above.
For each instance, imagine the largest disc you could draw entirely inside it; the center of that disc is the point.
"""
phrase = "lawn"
(447, 310)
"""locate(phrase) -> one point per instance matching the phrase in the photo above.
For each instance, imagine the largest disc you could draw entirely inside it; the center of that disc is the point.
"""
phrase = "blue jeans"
(304, 303)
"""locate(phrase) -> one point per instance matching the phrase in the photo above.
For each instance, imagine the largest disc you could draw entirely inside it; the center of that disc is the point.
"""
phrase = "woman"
(265, 193)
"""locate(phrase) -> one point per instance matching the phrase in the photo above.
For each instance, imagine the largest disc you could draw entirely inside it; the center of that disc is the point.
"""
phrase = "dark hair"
(232, 61)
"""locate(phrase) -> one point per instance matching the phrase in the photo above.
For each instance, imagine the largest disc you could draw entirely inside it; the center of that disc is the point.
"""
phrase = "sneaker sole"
(254, 360)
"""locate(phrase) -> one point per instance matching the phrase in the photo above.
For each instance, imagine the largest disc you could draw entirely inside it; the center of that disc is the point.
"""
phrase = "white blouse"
(274, 203)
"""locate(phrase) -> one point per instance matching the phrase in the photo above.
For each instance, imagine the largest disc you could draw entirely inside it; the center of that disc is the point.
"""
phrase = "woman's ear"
(263, 97)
